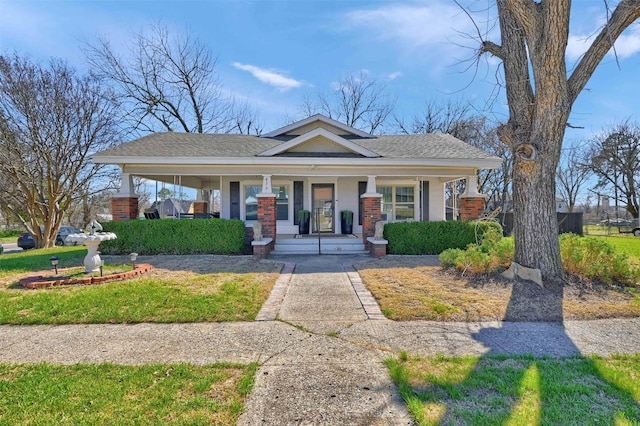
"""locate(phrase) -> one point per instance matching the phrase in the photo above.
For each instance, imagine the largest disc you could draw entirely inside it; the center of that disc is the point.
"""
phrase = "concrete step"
(332, 245)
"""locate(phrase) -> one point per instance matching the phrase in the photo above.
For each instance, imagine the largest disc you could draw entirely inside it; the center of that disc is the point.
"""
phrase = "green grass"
(9, 236)
(628, 245)
(163, 298)
(209, 297)
(520, 390)
(38, 259)
(107, 394)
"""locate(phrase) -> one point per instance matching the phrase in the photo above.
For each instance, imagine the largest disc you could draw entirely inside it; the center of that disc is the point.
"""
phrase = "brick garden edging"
(40, 281)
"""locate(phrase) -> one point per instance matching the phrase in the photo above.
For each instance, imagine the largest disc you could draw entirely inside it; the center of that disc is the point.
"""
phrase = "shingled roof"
(198, 145)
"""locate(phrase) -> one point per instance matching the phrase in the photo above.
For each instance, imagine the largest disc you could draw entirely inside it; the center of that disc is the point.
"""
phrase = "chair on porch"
(151, 214)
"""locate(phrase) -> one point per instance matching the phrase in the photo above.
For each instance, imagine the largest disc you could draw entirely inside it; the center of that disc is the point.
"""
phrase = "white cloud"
(576, 46)
(627, 44)
(413, 25)
(394, 75)
(270, 77)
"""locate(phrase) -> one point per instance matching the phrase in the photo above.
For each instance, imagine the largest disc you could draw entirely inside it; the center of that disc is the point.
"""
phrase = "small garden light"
(133, 257)
(54, 262)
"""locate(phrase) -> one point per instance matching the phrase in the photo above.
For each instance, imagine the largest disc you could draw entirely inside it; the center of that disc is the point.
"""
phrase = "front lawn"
(34, 260)
(163, 295)
(520, 390)
(627, 244)
(406, 289)
(106, 394)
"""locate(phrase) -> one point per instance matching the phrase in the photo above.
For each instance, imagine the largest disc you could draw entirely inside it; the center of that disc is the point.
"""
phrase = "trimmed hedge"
(169, 236)
(433, 237)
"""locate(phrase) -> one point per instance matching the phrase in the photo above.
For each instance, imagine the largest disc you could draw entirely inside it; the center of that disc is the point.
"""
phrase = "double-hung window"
(398, 202)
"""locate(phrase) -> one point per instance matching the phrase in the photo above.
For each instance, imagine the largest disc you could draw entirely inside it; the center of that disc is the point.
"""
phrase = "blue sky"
(273, 53)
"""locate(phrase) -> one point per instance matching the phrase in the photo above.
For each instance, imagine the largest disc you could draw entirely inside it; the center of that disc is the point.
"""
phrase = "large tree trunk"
(535, 220)
(534, 37)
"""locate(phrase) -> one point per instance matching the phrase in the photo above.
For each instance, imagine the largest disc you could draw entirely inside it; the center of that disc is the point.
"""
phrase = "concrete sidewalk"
(324, 379)
(321, 363)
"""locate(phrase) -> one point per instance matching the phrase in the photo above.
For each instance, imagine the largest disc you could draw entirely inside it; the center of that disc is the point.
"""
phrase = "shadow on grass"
(508, 386)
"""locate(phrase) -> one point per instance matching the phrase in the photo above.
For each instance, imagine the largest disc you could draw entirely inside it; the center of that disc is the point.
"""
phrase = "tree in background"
(614, 157)
(51, 121)
(359, 101)
(572, 175)
(169, 83)
(461, 120)
(540, 94)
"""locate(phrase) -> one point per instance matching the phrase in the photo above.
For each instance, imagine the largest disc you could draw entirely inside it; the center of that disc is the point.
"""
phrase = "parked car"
(26, 240)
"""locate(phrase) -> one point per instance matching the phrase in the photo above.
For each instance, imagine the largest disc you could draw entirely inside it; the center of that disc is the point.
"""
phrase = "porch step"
(328, 245)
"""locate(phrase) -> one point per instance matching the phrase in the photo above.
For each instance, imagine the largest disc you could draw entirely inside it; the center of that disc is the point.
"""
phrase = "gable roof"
(318, 143)
(318, 119)
(347, 145)
(201, 146)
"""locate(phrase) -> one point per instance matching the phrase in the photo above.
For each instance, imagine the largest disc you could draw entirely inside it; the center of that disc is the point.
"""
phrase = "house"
(172, 207)
(317, 164)
(561, 205)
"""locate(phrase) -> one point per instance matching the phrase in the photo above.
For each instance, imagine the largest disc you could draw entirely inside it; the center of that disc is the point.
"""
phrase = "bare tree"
(540, 94)
(615, 160)
(51, 121)
(359, 101)
(170, 84)
(453, 117)
(460, 120)
(572, 175)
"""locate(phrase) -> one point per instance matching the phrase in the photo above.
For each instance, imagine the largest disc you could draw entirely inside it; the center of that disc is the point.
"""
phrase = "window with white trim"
(251, 201)
(282, 202)
(398, 202)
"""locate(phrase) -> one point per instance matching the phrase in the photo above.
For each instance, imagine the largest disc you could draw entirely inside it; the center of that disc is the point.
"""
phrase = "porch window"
(282, 202)
(251, 201)
(398, 202)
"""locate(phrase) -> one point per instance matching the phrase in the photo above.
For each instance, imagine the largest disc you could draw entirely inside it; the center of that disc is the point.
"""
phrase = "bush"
(167, 236)
(596, 258)
(433, 237)
(583, 256)
(7, 233)
(494, 254)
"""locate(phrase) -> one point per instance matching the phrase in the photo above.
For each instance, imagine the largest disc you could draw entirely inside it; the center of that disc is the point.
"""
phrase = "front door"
(323, 203)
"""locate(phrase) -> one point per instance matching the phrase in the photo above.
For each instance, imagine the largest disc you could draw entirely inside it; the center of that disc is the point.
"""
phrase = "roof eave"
(480, 163)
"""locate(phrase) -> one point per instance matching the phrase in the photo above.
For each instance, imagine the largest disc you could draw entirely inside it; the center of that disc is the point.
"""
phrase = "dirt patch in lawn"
(412, 288)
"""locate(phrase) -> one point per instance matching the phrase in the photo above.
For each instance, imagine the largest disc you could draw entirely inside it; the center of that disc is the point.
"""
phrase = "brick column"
(267, 215)
(200, 207)
(371, 213)
(124, 208)
(471, 208)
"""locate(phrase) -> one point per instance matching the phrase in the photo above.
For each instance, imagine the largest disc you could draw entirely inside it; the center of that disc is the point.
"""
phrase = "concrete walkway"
(321, 363)
(324, 379)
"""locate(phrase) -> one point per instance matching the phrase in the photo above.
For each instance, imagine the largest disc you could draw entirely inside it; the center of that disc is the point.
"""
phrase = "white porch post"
(437, 201)
(124, 204)
(471, 188)
(472, 203)
(266, 185)
(371, 187)
(126, 186)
